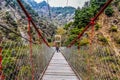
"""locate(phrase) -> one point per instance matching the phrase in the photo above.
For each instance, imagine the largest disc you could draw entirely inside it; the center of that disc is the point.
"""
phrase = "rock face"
(110, 28)
(58, 15)
(13, 18)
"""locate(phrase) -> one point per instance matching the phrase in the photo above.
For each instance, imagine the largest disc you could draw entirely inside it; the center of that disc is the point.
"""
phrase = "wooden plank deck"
(59, 69)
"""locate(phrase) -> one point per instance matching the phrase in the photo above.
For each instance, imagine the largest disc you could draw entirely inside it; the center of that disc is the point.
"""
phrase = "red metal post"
(2, 77)
(30, 41)
(90, 47)
(0, 58)
(0, 62)
(92, 31)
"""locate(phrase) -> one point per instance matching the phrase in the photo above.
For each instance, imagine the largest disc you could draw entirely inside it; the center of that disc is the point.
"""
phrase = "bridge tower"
(57, 40)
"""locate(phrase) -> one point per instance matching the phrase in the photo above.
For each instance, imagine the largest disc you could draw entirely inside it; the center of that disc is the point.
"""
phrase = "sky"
(62, 3)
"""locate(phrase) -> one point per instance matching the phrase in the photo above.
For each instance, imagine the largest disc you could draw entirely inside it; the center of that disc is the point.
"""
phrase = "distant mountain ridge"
(12, 17)
(59, 15)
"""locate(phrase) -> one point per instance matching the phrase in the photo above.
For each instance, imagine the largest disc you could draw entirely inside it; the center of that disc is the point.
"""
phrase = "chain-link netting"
(23, 56)
(16, 63)
(95, 62)
(19, 61)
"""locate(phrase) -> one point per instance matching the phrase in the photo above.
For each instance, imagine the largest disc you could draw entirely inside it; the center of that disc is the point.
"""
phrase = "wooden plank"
(53, 77)
(59, 69)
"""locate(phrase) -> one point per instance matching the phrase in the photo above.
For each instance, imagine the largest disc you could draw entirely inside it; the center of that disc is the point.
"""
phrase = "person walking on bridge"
(57, 48)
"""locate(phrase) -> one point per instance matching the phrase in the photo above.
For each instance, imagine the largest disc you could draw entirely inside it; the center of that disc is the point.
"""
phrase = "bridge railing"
(94, 62)
(17, 63)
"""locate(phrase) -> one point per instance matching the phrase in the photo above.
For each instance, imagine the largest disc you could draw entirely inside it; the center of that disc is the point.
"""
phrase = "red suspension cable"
(79, 36)
(102, 9)
(100, 12)
(28, 16)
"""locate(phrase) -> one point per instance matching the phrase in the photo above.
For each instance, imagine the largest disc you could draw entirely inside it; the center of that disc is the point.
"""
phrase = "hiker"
(57, 48)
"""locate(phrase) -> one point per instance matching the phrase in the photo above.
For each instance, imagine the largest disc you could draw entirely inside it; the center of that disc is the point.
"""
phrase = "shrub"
(97, 26)
(8, 16)
(84, 42)
(114, 68)
(107, 59)
(71, 37)
(76, 31)
(49, 40)
(118, 41)
(108, 52)
(117, 38)
(113, 28)
(13, 23)
(116, 3)
(9, 70)
(109, 11)
(102, 39)
(13, 36)
(23, 16)
(119, 8)
(25, 71)
(68, 25)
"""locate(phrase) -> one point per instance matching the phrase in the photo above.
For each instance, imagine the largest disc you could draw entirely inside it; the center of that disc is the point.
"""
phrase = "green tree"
(109, 11)
(68, 25)
(60, 31)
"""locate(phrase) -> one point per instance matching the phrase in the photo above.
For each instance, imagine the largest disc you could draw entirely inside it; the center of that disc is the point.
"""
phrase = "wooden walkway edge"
(59, 69)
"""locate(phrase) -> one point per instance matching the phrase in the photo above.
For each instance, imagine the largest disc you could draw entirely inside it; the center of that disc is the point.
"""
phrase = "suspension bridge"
(29, 60)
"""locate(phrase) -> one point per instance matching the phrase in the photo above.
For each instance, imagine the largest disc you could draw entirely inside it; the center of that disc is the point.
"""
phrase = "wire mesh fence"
(94, 62)
(16, 62)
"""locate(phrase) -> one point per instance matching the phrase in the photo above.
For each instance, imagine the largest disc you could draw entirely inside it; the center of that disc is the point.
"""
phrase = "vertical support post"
(1, 73)
(92, 31)
(0, 62)
(30, 42)
(90, 47)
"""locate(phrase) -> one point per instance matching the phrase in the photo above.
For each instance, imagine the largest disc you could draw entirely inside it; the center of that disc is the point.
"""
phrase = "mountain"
(106, 26)
(58, 15)
(13, 18)
(32, 2)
